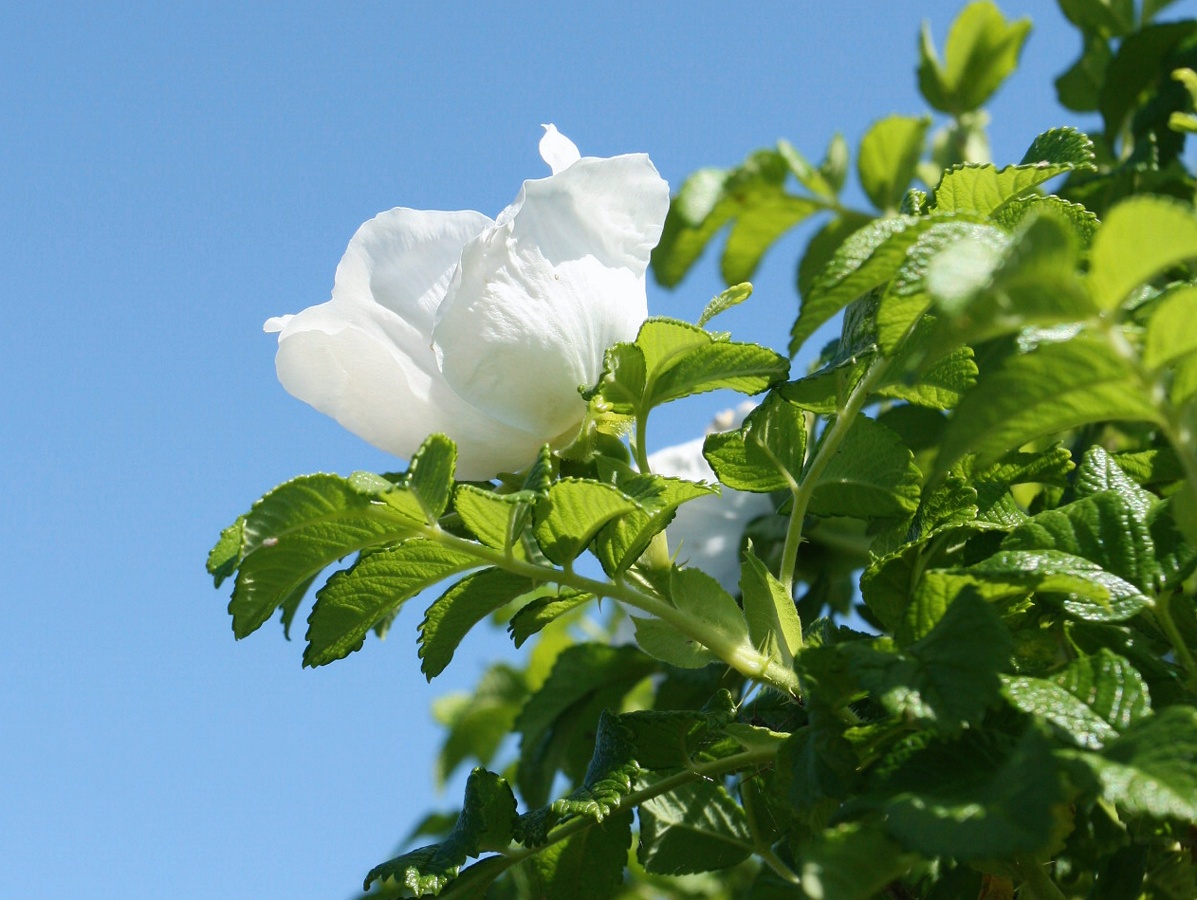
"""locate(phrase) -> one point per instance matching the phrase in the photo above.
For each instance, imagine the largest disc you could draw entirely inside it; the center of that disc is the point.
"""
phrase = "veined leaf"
(430, 475)
(573, 512)
(495, 519)
(871, 475)
(981, 52)
(225, 556)
(662, 641)
(534, 616)
(983, 189)
(852, 861)
(374, 588)
(766, 453)
(1054, 388)
(1152, 769)
(300, 528)
(769, 609)
(889, 154)
(586, 866)
(695, 827)
(459, 609)
(1072, 718)
(1140, 238)
(720, 303)
(485, 824)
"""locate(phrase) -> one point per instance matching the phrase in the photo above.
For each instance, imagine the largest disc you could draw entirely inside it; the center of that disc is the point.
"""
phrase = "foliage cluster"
(961, 658)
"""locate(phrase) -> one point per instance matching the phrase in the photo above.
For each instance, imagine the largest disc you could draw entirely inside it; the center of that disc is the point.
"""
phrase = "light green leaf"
(682, 243)
(430, 475)
(572, 513)
(372, 589)
(889, 154)
(476, 724)
(485, 824)
(1056, 387)
(696, 827)
(766, 453)
(938, 386)
(701, 596)
(757, 228)
(871, 475)
(1080, 221)
(733, 296)
(662, 641)
(300, 528)
(1172, 328)
(699, 194)
(981, 52)
(1152, 769)
(1139, 239)
(769, 608)
(947, 678)
(495, 519)
(811, 178)
(983, 190)
(459, 609)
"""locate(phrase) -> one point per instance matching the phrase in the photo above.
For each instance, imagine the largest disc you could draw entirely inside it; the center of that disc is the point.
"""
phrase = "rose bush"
(482, 329)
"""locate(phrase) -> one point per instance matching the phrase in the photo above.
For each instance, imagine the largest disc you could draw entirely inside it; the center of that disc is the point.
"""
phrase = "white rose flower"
(709, 530)
(482, 330)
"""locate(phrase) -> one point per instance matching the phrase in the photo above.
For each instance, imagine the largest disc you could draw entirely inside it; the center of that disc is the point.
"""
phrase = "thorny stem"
(845, 416)
(737, 653)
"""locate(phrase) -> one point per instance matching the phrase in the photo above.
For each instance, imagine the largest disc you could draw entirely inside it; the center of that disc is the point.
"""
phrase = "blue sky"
(170, 176)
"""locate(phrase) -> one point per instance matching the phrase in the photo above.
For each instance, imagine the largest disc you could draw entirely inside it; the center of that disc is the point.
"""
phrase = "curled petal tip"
(558, 150)
(275, 324)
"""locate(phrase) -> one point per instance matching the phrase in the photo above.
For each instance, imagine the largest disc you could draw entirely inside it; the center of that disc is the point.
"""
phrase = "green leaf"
(1170, 330)
(1079, 88)
(557, 725)
(534, 616)
(1080, 221)
(662, 641)
(1109, 18)
(1056, 387)
(949, 677)
(866, 260)
(297, 530)
(983, 189)
(1139, 239)
(733, 296)
(495, 519)
(1102, 528)
(224, 558)
(1143, 60)
(852, 861)
(1089, 592)
(459, 609)
(695, 827)
(1099, 472)
(757, 228)
(430, 475)
(982, 51)
(889, 154)
(586, 866)
(766, 453)
(871, 475)
(698, 594)
(1091, 701)
(938, 386)
(372, 589)
(485, 824)
(1152, 769)
(973, 798)
(682, 243)
(473, 882)
(572, 513)
(769, 609)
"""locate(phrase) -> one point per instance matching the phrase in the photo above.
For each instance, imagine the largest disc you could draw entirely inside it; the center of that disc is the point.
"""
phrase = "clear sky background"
(173, 174)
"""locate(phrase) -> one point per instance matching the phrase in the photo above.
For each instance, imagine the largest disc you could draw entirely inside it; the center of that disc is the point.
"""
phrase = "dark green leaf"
(695, 827)
(949, 677)
(224, 558)
(477, 723)
(485, 824)
(852, 861)
(375, 587)
(543, 610)
(459, 609)
(586, 866)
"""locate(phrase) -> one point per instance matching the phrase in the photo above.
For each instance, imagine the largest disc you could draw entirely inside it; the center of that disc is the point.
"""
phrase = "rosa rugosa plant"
(482, 330)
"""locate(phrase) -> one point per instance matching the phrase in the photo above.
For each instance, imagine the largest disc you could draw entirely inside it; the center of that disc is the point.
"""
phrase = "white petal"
(365, 356)
(558, 150)
(539, 298)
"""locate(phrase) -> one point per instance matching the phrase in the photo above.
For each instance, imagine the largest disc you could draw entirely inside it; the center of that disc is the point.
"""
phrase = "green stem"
(1036, 881)
(845, 416)
(736, 652)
